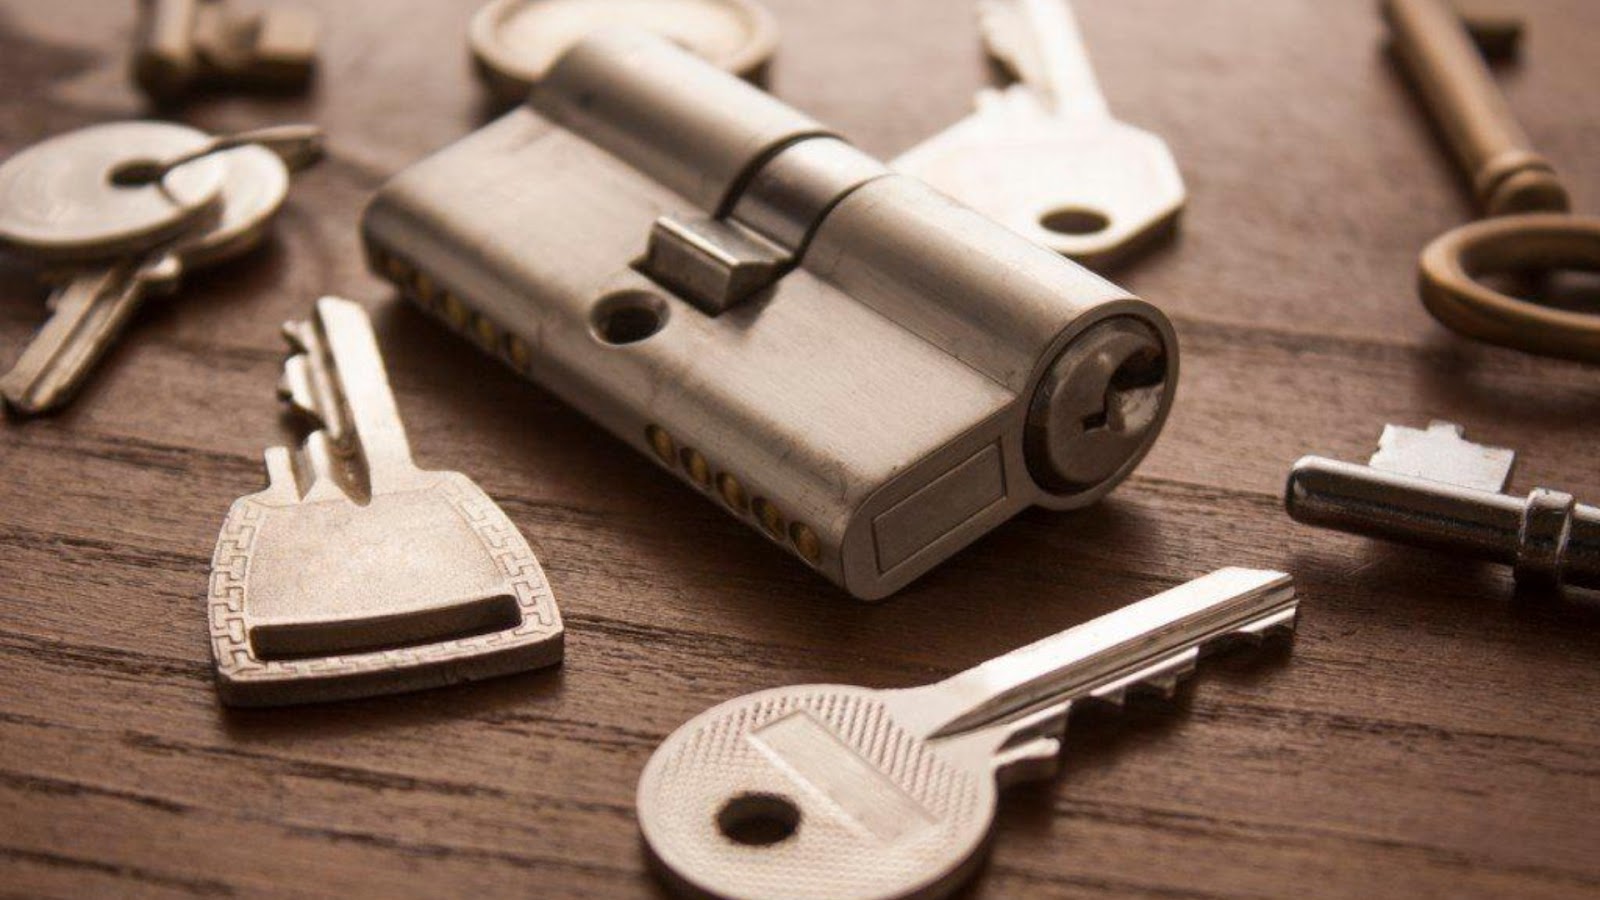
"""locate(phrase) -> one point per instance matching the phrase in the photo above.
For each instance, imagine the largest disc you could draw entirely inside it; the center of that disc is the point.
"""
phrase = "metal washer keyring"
(1532, 242)
(514, 42)
(255, 185)
(58, 202)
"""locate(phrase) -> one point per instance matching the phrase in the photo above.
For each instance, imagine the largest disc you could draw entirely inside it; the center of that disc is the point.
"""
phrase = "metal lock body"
(861, 368)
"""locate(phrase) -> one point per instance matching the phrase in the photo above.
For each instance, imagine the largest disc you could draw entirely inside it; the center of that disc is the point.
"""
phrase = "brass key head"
(816, 792)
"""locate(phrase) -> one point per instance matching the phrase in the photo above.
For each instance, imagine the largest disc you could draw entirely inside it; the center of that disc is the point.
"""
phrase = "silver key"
(181, 45)
(1044, 156)
(355, 572)
(829, 791)
(97, 301)
(1433, 487)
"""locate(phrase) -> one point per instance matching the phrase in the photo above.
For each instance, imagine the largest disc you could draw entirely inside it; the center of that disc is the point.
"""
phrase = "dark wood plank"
(1427, 736)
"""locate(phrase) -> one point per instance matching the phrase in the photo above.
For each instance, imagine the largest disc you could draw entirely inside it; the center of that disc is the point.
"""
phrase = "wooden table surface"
(1427, 736)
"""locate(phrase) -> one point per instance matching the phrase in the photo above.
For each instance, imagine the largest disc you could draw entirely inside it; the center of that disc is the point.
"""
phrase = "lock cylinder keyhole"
(1098, 407)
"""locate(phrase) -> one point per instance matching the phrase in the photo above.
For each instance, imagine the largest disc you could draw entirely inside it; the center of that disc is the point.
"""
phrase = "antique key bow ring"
(1529, 228)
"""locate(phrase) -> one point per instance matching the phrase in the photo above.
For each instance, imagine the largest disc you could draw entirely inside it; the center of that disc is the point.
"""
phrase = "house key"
(113, 269)
(355, 572)
(830, 791)
(1044, 156)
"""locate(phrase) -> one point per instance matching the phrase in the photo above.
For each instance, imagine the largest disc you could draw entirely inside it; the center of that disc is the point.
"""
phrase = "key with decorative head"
(1045, 156)
(830, 791)
(117, 178)
(355, 572)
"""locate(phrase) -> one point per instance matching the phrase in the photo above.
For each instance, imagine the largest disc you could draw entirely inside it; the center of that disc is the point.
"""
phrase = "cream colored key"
(831, 792)
(1044, 156)
(90, 310)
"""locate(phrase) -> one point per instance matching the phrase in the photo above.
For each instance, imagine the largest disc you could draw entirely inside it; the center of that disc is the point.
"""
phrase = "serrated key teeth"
(1032, 760)
(1163, 686)
(998, 26)
(295, 388)
(1160, 678)
(325, 476)
(1282, 621)
(1114, 695)
(1029, 746)
(294, 333)
(163, 274)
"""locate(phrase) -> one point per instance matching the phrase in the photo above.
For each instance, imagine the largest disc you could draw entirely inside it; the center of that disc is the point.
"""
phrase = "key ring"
(1528, 229)
(1532, 242)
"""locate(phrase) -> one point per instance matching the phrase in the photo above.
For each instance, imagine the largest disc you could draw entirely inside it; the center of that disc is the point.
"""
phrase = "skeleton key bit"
(356, 573)
(830, 791)
(1435, 489)
(1045, 157)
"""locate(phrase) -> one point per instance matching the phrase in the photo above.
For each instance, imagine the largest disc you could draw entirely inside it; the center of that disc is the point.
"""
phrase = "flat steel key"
(1434, 488)
(831, 791)
(355, 572)
(1045, 156)
(93, 304)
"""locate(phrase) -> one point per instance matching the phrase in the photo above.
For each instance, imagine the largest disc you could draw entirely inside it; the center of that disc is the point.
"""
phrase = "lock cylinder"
(865, 371)
(690, 128)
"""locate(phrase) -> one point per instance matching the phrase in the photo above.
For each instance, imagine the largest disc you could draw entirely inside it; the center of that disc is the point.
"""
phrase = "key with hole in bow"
(116, 213)
(1044, 156)
(829, 791)
(355, 572)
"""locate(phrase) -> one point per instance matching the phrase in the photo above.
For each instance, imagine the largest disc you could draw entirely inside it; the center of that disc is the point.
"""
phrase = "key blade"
(1040, 43)
(309, 384)
(336, 378)
(1144, 642)
(87, 315)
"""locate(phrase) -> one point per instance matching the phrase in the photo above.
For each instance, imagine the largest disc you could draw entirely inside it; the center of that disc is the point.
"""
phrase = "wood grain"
(1429, 735)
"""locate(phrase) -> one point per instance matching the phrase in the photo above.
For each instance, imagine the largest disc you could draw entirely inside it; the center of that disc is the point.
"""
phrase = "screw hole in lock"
(629, 317)
(758, 820)
(1075, 220)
